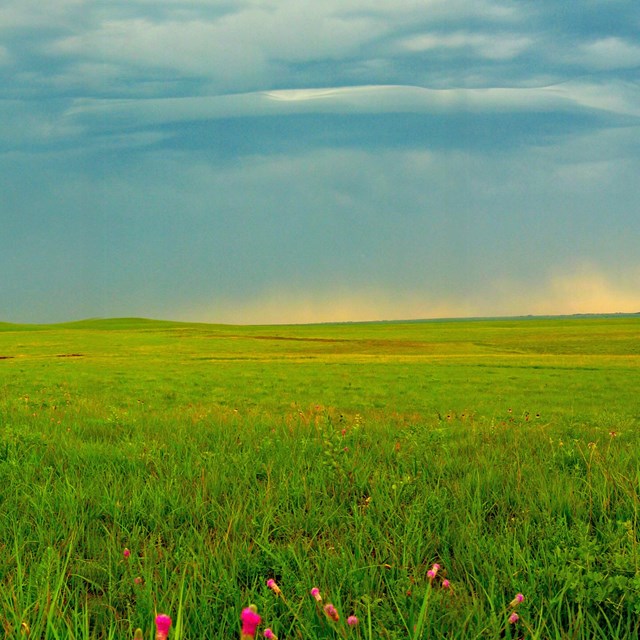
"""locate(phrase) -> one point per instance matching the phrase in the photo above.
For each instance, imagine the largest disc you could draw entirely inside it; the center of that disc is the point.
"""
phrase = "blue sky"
(300, 161)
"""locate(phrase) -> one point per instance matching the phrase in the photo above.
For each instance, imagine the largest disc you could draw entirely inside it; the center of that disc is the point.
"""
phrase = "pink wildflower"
(270, 635)
(517, 600)
(271, 583)
(352, 621)
(513, 618)
(315, 592)
(163, 623)
(250, 621)
(433, 572)
(331, 612)
(126, 553)
(137, 580)
(445, 584)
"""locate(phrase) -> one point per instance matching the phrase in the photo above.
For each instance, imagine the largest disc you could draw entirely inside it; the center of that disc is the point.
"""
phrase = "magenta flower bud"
(445, 584)
(271, 583)
(126, 553)
(331, 612)
(163, 623)
(315, 592)
(513, 618)
(270, 635)
(352, 621)
(517, 600)
(250, 621)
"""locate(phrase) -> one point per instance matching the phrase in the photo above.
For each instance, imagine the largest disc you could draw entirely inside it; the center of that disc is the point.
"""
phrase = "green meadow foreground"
(350, 458)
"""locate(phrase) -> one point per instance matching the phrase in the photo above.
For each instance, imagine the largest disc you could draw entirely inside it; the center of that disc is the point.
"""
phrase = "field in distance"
(568, 366)
(348, 457)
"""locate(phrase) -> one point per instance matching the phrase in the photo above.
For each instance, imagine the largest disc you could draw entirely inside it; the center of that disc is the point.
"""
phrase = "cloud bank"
(303, 161)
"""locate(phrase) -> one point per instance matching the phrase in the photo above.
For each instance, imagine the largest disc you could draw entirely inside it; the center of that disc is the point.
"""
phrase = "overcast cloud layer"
(297, 160)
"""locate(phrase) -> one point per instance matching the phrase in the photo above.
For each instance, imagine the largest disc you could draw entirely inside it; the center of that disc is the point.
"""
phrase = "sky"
(285, 161)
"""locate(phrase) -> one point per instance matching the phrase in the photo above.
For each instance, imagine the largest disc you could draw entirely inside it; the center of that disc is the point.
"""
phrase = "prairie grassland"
(345, 457)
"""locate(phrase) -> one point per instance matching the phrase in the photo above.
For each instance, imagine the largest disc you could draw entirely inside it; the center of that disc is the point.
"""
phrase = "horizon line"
(141, 319)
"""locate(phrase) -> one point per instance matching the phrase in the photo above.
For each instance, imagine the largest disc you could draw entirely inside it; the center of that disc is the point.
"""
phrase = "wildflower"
(138, 635)
(517, 600)
(433, 572)
(163, 622)
(137, 580)
(250, 621)
(270, 635)
(315, 592)
(126, 553)
(331, 612)
(352, 621)
(271, 583)
(445, 584)
(513, 618)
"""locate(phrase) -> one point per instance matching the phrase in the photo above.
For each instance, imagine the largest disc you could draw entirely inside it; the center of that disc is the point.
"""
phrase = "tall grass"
(361, 510)
(213, 499)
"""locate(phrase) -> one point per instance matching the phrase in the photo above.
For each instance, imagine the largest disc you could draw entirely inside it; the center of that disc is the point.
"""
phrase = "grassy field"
(345, 457)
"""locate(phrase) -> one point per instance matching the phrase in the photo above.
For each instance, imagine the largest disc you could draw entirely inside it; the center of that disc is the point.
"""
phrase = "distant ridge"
(131, 323)
(507, 318)
(119, 323)
(98, 324)
(585, 316)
